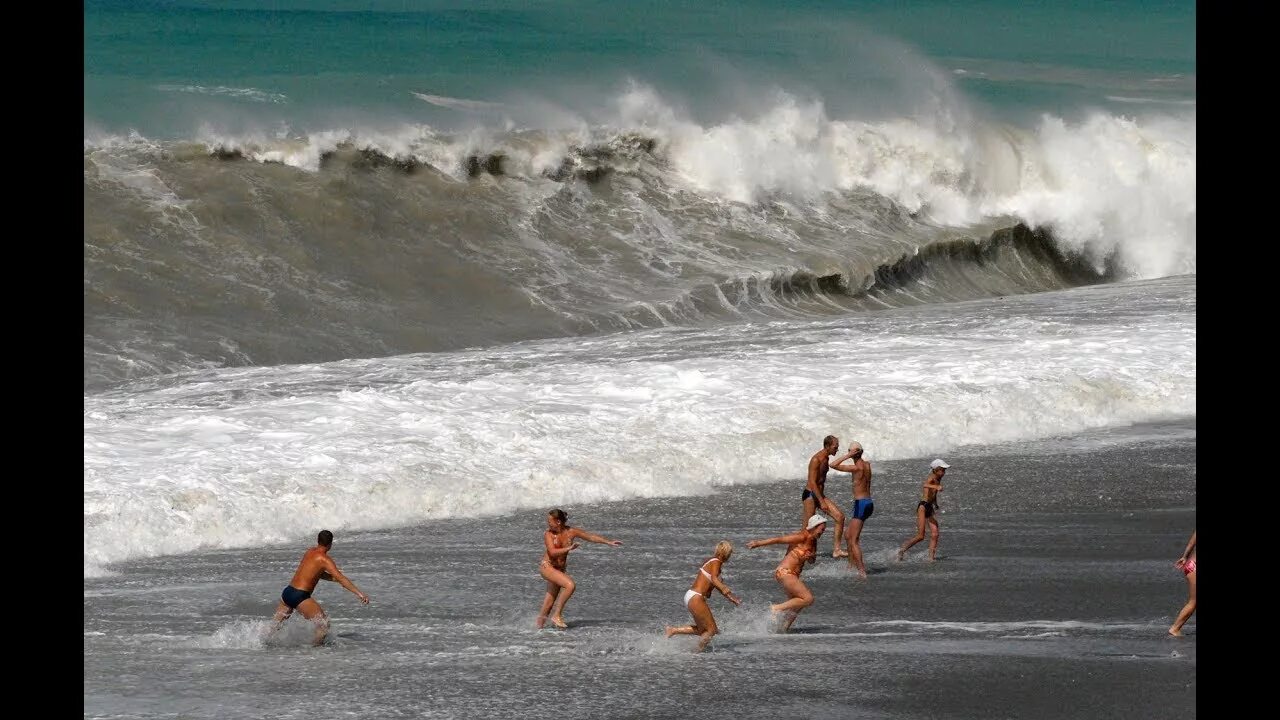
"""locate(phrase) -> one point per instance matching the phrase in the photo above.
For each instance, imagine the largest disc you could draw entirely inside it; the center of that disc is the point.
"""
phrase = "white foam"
(1108, 185)
(251, 94)
(220, 459)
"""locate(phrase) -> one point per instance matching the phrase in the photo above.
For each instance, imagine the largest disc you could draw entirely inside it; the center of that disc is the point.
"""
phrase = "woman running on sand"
(803, 549)
(559, 540)
(704, 625)
(1187, 564)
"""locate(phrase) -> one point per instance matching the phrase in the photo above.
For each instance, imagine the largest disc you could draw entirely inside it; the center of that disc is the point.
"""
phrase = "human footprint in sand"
(704, 625)
(559, 541)
(803, 548)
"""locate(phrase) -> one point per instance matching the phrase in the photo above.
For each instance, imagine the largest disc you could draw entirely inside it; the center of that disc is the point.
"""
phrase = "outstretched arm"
(788, 539)
(724, 589)
(338, 577)
(842, 466)
(592, 537)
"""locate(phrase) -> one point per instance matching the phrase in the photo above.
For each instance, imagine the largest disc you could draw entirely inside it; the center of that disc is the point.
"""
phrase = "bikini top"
(801, 551)
(703, 570)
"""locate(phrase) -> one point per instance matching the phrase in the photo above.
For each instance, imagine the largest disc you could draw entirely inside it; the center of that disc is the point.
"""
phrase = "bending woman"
(803, 549)
(1187, 564)
(695, 599)
(559, 541)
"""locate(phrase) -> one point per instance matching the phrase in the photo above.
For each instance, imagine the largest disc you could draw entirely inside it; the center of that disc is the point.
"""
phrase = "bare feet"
(670, 631)
(901, 553)
(559, 622)
(542, 620)
(791, 617)
(839, 554)
(1175, 633)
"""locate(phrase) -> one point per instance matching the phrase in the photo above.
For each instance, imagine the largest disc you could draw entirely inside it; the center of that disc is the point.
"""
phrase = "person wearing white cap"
(926, 509)
(803, 548)
(704, 625)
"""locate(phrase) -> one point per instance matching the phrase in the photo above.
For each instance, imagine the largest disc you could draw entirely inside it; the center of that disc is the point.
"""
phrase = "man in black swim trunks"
(814, 496)
(926, 509)
(316, 565)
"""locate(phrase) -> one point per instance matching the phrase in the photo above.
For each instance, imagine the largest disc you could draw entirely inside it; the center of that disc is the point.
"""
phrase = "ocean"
(418, 272)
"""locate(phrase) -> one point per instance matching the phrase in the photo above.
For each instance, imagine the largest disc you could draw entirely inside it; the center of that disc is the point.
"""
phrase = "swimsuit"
(555, 542)
(292, 596)
(863, 508)
(1189, 566)
(928, 507)
(691, 594)
(801, 554)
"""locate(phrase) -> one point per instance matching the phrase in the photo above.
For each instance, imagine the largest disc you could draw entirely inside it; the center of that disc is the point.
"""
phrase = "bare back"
(315, 563)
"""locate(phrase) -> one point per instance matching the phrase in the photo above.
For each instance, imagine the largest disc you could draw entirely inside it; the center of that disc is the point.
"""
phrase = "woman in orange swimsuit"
(559, 540)
(704, 625)
(1187, 564)
(802, 549)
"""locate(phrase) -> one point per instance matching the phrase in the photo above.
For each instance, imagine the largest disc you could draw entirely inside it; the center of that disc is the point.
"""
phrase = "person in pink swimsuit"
(1187, 564)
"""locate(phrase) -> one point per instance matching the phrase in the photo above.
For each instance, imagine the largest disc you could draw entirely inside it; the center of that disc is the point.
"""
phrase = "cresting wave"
(355, 243)
(246, 456)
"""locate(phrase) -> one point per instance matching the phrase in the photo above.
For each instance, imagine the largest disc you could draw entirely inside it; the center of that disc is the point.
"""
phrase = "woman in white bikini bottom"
(704, 625)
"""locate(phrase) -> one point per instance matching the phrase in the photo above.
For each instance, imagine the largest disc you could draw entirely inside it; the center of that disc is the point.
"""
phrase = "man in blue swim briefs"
(316, 565)
(863, 504)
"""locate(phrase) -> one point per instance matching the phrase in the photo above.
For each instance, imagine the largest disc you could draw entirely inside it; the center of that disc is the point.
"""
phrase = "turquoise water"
(167, 69)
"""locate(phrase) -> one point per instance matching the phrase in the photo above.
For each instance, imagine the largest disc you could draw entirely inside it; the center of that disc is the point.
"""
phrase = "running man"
(316, 565)
(927, 509)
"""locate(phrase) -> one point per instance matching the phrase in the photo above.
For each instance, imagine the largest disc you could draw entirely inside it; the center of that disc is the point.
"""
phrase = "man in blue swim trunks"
(316, 565)
(863, 504)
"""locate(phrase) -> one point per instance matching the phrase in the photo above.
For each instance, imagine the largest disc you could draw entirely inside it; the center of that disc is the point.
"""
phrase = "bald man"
(863, 504)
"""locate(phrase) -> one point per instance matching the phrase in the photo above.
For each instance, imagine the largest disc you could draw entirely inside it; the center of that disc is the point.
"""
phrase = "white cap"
(938, 464)
(815, 521)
